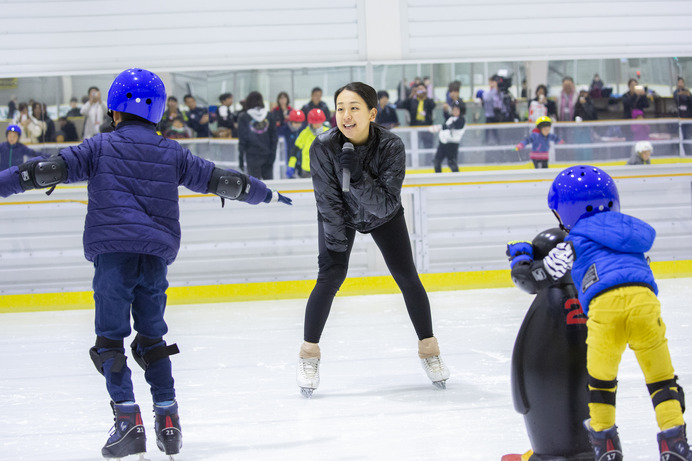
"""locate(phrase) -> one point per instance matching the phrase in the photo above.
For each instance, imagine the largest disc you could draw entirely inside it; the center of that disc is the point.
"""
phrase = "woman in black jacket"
(369, 203)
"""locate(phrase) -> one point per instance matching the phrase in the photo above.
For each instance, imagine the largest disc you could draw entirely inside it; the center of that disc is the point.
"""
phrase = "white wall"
(61, 37)
(457, 222)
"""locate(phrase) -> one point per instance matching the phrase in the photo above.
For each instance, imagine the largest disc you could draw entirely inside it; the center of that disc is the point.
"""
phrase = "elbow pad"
(42, 173)
(230, 185)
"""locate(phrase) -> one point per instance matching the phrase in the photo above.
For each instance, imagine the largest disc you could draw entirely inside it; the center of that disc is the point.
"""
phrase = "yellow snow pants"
(631, 316)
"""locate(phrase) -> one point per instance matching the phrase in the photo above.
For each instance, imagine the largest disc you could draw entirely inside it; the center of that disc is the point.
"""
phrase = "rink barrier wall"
(356, 286)
(458, 225)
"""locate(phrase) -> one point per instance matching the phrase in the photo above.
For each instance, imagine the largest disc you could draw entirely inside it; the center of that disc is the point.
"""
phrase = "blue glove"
(290, 172)
(275, 196)
(518, 251)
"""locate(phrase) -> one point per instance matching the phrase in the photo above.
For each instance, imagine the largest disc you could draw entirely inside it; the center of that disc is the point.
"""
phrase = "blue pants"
(125, 282)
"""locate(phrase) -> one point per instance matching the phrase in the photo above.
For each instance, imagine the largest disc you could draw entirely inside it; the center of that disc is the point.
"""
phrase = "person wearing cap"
(540, 139)
(13, 152)
(289, 130)
(299, 160)
(642, 154)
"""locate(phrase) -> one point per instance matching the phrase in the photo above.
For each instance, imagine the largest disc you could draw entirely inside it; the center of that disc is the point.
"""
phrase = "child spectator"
(289, 131)
(132, 233)
(540, 139)
(605, 252)
(13, 152)
(642, 154)
(177, 130)
(640, 131)
(450, 136)
(257, 138)
(300, 156)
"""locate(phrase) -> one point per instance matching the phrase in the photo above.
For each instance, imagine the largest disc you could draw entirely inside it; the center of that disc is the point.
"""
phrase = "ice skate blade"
(307, 392)
(141, 458)
(440, 384)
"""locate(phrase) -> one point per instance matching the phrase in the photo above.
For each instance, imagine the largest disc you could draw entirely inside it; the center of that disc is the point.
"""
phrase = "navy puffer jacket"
(373, 200)
(133, 176)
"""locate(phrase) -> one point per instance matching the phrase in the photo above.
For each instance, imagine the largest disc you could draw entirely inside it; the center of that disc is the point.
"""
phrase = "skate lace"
(308, 367)
(434, 364)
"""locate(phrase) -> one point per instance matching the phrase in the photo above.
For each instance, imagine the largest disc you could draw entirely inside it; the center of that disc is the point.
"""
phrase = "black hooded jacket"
(373, 200)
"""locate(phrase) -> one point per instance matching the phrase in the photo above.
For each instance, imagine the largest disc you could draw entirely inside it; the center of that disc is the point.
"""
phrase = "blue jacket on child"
(609, 252)
(540, 145)
(133, 176)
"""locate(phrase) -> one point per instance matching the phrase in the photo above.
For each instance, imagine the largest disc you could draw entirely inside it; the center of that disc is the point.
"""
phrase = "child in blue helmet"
(132, 233)
(605, 251)
(13, 152)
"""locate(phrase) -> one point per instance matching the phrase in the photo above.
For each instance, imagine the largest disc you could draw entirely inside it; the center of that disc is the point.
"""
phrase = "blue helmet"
(582, 191)
(138, 92)
(16, 128)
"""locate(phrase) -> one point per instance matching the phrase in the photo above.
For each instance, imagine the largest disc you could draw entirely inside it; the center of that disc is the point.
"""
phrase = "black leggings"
(392, 240)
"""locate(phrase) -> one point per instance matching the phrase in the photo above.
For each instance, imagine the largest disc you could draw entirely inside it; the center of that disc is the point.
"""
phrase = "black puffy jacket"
(373, 200)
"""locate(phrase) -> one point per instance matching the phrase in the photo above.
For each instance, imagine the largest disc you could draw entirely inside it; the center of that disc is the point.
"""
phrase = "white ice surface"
(235, 378)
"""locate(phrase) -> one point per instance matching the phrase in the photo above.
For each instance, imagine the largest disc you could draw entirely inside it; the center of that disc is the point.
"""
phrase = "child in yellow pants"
(605, 251)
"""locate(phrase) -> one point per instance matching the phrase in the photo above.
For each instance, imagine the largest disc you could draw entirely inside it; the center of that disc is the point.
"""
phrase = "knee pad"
(115, 352)
(668, 389)
(153, 352)
(602, 391)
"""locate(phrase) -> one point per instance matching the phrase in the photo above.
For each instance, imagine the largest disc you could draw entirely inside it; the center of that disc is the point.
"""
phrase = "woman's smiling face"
(353, 117)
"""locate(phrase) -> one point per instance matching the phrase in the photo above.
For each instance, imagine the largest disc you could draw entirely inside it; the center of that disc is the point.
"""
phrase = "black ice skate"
(672, 443)
(169, 437)
(127, 435)
(605, 444)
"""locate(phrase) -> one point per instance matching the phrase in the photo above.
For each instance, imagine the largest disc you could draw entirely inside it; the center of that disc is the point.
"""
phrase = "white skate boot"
(435, 368)
(308, 372)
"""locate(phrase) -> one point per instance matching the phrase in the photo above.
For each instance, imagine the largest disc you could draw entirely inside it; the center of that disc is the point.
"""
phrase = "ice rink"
(235, 378)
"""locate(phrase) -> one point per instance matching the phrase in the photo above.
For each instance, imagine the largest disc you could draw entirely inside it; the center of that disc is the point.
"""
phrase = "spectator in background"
(420, 108)
(11, 107)
(596, 87)
(29, 130)
(282, 110)
(640, 131)
(429, 87)
(453, 99)
(635, 98)
(450, 135)
(541, 106)
(197, 117)
(683, 100)
(567, 100)
(290, 131)
(226, 118)
(299, 159)
(74, 110)
(38, 111)
(257, 138)
(642, 154)
(94, 111)
(12, 151)
(172, 112)
(492, 109)
(177, 130)
(316, 103)
(404, 90)
(67, 131)
(524, 89)
(584, 110)
(386, 113)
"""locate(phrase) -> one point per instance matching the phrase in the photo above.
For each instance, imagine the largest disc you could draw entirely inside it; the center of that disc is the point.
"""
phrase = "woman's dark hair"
(366, 92)
(454, 86)
(224, 96)
(283, 93)
(382, 94)
(254, 99)
(632, 80)
(542, 87)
